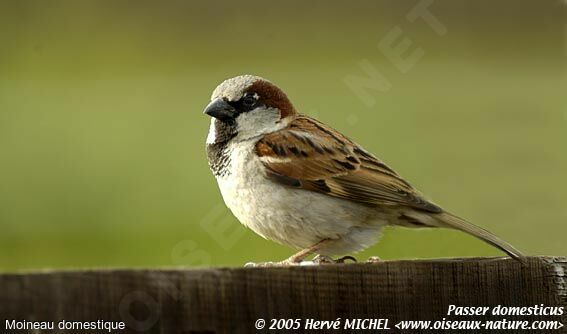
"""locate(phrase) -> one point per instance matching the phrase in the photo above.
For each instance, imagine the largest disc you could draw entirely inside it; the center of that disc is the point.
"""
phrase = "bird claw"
(345, 258)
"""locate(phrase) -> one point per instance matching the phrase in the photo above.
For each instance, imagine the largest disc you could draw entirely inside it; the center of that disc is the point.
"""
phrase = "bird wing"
(312, 156)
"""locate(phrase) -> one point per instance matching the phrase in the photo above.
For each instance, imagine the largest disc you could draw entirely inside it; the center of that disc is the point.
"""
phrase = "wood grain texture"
(231, 299)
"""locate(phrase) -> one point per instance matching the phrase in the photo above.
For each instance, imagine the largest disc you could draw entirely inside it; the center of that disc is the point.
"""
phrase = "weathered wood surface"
(231, 299)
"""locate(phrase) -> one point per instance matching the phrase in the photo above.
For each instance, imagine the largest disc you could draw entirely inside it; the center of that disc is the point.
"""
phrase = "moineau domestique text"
(64, 324)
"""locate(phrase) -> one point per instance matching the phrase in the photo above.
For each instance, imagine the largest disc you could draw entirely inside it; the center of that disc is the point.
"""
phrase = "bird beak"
(220, 109)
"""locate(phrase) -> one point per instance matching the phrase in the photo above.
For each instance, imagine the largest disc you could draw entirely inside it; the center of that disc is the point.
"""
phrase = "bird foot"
(289, 262)
(259, 264)
(284, 263)
(318, 260)
(322, 259)
(373, 259)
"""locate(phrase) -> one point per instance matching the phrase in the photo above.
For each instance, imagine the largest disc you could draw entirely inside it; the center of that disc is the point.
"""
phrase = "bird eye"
(249, 100)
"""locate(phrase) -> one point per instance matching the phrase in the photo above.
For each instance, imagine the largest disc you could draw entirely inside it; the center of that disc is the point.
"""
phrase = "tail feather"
(448, 220)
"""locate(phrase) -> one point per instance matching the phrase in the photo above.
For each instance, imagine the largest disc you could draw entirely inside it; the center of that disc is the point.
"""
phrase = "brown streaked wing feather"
(310, 155)
(304, 152)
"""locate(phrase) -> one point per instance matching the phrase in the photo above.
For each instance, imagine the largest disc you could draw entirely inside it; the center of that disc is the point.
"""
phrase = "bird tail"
(451, 221)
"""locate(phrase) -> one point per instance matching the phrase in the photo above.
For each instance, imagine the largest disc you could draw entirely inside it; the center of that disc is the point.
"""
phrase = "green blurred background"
(102, 159)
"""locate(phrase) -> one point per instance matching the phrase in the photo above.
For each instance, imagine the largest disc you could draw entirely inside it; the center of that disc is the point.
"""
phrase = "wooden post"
(232, 299)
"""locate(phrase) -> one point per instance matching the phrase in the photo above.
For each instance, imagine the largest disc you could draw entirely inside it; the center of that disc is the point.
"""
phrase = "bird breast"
(293, 217)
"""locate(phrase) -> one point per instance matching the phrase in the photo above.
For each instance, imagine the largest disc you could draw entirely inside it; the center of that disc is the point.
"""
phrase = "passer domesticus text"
(297, 181)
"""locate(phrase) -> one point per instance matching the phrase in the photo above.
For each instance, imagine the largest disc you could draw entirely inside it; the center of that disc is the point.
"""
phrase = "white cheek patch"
(212, 136)
(257, 122)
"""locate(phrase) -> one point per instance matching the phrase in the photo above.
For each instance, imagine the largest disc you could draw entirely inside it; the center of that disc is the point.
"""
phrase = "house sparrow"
(298, 182)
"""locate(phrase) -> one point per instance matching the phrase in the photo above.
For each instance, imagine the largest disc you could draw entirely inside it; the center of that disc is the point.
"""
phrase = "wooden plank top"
(233, 299)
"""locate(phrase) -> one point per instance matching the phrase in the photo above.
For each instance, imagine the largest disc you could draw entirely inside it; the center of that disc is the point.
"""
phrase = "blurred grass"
(102, 138)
